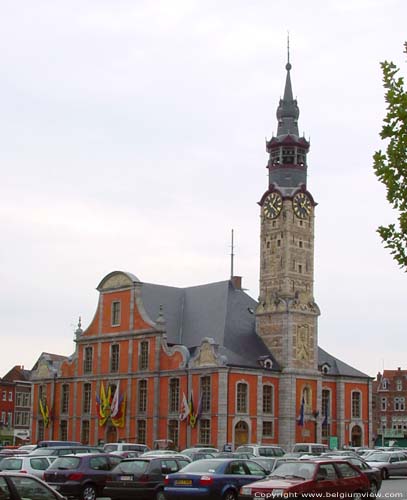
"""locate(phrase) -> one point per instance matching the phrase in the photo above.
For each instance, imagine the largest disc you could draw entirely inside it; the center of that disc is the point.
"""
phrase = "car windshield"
(203, 466)
(132, 466)
(66, 463)
(297, 469)
(12, 464)
(379, 457)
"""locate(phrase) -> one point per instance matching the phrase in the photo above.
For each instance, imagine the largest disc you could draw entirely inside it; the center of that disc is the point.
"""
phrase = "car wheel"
(373, 489)
(159, 495)
(89, 492)
(385, 474)
(230, 495)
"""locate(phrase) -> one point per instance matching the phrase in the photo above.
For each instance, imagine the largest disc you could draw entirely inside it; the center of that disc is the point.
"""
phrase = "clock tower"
(286, 317)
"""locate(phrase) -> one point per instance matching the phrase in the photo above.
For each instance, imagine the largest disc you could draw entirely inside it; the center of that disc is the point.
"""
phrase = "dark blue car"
(212, 479)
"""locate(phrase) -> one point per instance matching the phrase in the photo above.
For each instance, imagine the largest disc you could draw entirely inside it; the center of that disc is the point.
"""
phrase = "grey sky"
(133, 138)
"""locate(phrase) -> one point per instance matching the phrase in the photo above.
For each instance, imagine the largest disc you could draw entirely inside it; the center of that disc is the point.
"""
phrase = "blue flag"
(301, 417)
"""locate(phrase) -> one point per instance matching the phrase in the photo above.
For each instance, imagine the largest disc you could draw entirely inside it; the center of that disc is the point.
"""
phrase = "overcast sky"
(133, 138)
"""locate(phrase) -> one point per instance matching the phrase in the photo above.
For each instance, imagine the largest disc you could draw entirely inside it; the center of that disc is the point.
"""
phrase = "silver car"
(27, 464)
(390, 463)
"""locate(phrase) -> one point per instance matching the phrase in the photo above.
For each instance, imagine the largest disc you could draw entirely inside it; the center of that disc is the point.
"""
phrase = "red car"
(318, 477)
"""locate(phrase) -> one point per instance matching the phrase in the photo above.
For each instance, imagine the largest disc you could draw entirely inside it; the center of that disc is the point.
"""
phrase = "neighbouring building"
(389, 408)
(209, 364)
(15, 407)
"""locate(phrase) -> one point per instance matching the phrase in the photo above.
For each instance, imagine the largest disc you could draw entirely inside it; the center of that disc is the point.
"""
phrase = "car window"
(30, 489)
(183, 463)
(99, 463)
(203, 466)
(110, 447)
(133, 467)
(347, 471)
(394, 458)
(4, 490)
(114, 461)
(255, 469)
(12, 464)
(170, 464)
(300, 449)
(328, 471)
(39, 463)
(235, 468)
(66, 463)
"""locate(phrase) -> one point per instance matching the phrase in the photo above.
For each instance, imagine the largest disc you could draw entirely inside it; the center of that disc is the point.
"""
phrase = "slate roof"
(216, 310)
(338, 367)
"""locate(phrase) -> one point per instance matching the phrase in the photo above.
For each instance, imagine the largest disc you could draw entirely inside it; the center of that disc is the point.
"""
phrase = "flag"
(192, 416)
(184, 408)
(44, 411)
(301, 417)
(114, 408)
(103, 405)
(119, 417)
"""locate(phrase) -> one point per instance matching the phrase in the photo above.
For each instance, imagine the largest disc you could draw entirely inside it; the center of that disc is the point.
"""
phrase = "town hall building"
(209, 364)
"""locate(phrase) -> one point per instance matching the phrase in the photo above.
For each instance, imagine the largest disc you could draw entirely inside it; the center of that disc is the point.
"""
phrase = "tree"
(391, 166)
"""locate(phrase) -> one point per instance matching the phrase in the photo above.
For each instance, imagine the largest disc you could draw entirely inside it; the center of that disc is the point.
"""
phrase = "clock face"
(272, 205)
(301, 205)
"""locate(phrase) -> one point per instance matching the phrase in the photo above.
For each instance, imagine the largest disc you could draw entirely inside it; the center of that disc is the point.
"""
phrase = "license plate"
(183, 482)
(126, 478)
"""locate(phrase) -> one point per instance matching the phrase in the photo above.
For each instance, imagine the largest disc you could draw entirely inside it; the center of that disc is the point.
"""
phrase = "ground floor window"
(268, 429)
(173, 432)
(141, 431)
(85, 432)
(205, 431)
(63, 430)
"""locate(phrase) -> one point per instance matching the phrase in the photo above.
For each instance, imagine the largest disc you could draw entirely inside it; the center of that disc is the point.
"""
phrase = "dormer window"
(325, 368)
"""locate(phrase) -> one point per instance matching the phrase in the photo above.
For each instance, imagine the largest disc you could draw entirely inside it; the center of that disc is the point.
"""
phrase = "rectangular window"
(143, 355)
(63, 430)
(115, 313)
(88, 360)
(173, 401)
(268, 429)
(241, 398)
(4, 395)
(141, 431)
(87, 397)
(10, 419)
(268, 394)
(384, 404)
(142, 397)
(22, 418)
(85, 432)
(26, 399)
(114, 358)
(173, 432)
(65, 398)
(356, 405)
(10, 396)
(3, 417)
(206, 394)
(19, 399)
(204, 431)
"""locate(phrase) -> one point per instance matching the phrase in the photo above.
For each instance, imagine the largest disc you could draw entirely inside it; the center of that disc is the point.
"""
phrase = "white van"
(261, 450)
(119, 447)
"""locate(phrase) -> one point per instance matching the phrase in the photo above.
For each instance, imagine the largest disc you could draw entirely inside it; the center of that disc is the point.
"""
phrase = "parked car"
(47, 444)
(390, 463)
(26, 464)
(261, 450)
(59, 451)
(213, 478)
(141, 477)
(81, 476)
(309, 478)
(16, 486)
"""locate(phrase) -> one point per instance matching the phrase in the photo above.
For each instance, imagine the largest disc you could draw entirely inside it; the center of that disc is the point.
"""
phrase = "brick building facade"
(389, 407)
(208, 364)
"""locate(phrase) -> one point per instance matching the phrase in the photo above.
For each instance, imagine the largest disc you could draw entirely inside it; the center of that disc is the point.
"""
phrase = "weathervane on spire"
(288, 65)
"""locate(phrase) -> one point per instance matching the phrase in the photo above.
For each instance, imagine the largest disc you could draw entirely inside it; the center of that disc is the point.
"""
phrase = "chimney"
(237, 282)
